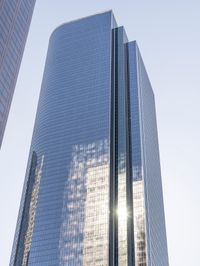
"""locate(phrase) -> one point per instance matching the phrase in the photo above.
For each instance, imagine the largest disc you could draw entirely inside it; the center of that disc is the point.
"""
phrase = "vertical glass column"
(121, 224)
(122, 213)
(139, 221)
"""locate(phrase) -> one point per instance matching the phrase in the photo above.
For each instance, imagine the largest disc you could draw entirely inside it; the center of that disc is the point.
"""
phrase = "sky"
(168, 35)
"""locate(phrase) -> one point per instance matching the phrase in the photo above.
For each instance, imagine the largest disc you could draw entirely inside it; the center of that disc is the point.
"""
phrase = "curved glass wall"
(72, 133)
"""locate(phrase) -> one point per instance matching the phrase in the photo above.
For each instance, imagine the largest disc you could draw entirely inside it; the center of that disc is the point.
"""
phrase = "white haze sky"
(168, 34)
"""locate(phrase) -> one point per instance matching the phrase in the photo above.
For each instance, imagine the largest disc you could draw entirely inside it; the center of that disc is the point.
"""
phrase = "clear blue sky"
(168, 34)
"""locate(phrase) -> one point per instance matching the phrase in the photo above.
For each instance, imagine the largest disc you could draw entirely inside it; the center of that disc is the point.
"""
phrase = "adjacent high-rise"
(15, 18)
(92, 193)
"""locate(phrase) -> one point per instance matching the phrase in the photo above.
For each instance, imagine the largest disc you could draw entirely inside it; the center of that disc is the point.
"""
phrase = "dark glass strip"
(113, 228)
(129, 187)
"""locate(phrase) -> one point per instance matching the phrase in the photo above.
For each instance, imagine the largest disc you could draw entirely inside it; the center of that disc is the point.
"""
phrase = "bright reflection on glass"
(139, 219)
(84, 229)
(32, 212)
(122, 219)
(122, 212)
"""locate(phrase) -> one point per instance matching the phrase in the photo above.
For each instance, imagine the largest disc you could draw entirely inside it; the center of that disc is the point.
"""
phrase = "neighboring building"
(93, 192)
(15, 18)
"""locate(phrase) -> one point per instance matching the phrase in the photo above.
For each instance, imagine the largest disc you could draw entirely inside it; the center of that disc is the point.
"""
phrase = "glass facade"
(89, 191)
(149, 220)
(15, 17)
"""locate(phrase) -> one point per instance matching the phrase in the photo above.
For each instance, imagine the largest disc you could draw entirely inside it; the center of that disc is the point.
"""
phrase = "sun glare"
(122, 212)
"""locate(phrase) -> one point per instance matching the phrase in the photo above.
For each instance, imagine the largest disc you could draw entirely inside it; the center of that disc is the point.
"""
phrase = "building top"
(86, 17)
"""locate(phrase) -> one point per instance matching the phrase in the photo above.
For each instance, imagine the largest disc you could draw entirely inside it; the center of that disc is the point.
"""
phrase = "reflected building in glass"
(92, 193)
(15, 18)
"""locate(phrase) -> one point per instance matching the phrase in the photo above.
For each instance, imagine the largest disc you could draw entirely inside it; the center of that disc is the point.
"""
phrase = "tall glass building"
(92, 193)
(15, 18)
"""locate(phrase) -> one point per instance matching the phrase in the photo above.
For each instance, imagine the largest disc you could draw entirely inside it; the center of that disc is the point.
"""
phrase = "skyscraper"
(92, 193)
(15, 18)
